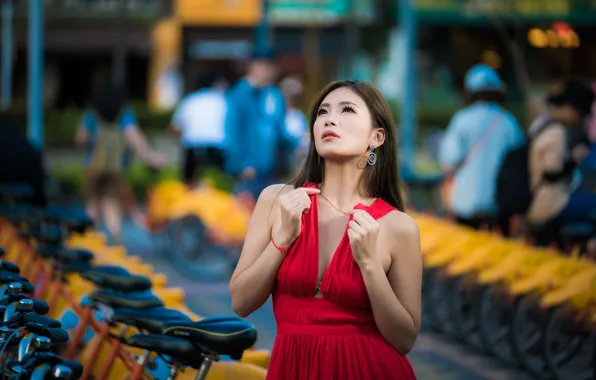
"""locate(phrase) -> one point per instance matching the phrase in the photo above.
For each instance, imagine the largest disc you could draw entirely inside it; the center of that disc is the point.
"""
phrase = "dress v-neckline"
(319, 283)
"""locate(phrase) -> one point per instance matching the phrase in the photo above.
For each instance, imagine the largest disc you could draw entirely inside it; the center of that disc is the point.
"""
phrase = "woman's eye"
(348, 109)
(321, 111)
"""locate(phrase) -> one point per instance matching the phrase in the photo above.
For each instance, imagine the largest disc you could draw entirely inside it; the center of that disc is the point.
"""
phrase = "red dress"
(334, 337)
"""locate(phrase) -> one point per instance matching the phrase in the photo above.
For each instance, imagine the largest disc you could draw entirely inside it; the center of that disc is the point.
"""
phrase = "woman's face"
(343, 128)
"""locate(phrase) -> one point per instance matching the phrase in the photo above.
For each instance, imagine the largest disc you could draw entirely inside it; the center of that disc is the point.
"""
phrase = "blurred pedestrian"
(109, 132)
(474, 146)
(553, 159)
(199, 121)
(255, 125)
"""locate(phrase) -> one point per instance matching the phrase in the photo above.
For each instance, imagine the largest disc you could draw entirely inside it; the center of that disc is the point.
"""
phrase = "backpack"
(108, 151)
(513, 194)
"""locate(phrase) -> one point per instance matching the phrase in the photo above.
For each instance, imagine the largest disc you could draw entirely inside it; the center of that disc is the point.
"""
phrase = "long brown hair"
(380, 180)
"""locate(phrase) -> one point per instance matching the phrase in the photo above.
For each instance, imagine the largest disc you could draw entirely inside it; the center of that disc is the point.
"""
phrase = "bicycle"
(28, 339)
(50, 244)
(516, 302)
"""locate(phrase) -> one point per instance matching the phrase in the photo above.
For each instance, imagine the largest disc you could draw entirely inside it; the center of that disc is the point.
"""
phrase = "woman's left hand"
(363, 232)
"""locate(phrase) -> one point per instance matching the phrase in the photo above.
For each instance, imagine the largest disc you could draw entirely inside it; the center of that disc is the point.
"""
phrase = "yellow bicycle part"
(488, 255)
(520, 265)
(461, 244)
(552, 275)
(580, 291)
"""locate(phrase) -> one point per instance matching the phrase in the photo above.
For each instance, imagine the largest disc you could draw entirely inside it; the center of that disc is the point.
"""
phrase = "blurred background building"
(157, 47)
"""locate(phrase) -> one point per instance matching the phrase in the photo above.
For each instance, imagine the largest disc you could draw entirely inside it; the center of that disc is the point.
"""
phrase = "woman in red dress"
(335, 249)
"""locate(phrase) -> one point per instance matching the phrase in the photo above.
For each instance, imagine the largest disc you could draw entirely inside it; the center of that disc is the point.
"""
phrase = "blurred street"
(432, 358)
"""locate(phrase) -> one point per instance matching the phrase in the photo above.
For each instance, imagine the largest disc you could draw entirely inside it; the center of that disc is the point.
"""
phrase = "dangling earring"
(318, 159)
(372, 156)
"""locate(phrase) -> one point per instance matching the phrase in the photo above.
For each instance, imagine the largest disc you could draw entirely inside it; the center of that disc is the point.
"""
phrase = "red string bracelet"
(281, 250)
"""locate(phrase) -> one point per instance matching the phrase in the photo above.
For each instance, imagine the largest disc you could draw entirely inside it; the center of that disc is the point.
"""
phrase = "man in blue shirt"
(255, 129)
(475, 144)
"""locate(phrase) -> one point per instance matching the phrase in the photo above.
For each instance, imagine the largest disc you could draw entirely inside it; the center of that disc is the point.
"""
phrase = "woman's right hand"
(292, 205)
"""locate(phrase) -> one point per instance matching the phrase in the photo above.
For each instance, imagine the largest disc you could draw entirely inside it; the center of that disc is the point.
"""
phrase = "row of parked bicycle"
(532, 308)
(62, 298)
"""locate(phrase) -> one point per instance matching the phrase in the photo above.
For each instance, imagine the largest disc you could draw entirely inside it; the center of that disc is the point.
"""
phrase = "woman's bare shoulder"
(269, 196)
(400, 224)
(271, 192)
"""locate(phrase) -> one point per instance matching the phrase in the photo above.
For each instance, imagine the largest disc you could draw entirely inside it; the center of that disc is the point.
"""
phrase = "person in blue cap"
(255, 126)
(474, 146)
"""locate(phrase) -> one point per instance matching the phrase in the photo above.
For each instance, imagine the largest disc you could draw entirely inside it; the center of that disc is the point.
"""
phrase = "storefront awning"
(479, 12)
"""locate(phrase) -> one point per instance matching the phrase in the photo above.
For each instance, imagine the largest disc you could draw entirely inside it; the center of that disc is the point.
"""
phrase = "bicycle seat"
(16, 191)
(15, 297)
(134, 300)
(55, 214)
(47, 322)
(37, 358)
(20, 213)
(46, 235)
(578, 232)
(56, 334)
(77, 223)
(74, 220)
(68, 255)
(222, 318)
(48, 250)
(26, 286)
(221, 338)
(116, 278)
(40, 307)
(152, 319)
(6, 277)
(9, 267)
(22, 306)
(181, 350)
(76, 266)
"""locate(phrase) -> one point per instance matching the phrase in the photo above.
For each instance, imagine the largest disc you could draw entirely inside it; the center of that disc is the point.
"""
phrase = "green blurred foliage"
(61, 124)
(139, 177)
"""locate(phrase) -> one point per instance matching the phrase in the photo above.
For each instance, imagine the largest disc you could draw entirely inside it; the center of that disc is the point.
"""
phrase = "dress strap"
(311, 185)
(379, 208)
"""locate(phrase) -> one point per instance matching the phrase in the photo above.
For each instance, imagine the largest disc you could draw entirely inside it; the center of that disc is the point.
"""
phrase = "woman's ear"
(378, 137)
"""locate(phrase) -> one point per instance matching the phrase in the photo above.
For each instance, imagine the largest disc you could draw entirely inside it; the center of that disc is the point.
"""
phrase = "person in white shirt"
(199, 121)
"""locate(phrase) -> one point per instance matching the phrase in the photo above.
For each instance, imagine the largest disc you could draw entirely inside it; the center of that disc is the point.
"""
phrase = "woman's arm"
(137, 141)
(552, 147)
(396, 296)
(83, 136)
(254, 277)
